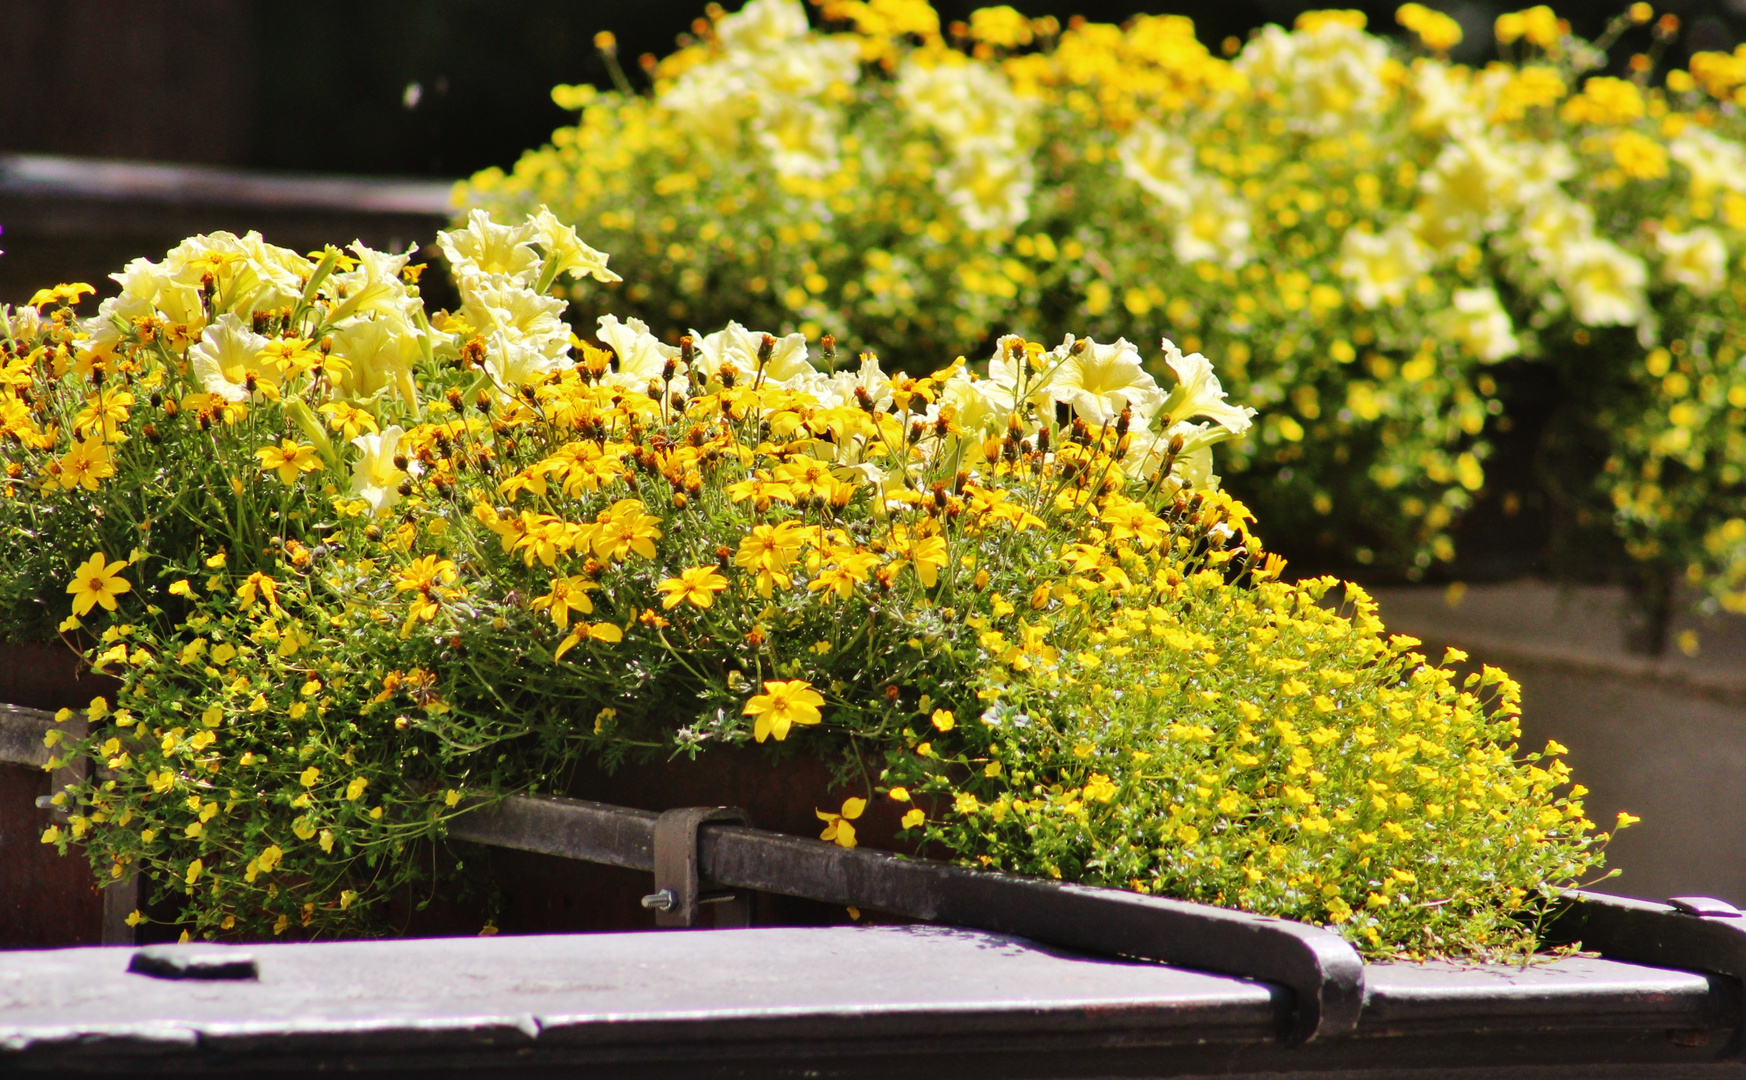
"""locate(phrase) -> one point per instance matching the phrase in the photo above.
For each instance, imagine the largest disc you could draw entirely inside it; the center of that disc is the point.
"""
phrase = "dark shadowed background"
(444, 87)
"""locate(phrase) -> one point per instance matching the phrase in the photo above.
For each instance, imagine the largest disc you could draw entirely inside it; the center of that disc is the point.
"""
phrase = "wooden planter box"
(50, 900)
(45, 899)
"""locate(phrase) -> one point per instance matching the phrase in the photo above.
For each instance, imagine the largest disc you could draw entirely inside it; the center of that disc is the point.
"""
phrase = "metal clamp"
(679, 891)
(1323, 971)
(1696, 933)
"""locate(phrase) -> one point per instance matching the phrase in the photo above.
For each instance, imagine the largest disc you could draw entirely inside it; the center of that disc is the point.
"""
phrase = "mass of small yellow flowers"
(1363, 231)
(1015, 597)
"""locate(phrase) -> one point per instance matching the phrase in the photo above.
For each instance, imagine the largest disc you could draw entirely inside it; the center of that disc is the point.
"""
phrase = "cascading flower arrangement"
(361, 567)
(1361, 231)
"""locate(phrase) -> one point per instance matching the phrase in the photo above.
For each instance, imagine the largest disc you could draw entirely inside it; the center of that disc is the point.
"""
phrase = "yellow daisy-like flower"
(768, 552)
(292, 356)
(258, 586)
(67, 294)
(782, 705)
(587, 632)
(95, 582)
(627, 527)
(837, 828)
(697, 585)
(569, 594)
(86, 464)
(289, 459)
(349, 420)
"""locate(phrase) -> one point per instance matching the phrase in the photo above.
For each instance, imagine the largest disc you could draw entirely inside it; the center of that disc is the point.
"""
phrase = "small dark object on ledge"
(193, 962)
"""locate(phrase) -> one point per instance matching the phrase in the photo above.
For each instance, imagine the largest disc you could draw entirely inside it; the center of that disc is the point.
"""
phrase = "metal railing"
(707, 857)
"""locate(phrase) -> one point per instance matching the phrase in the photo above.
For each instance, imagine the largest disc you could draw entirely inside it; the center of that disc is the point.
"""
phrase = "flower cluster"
(386, 564)
(1363, 232)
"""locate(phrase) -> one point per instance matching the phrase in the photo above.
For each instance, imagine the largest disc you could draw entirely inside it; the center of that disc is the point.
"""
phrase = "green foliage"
(1019, 596)
(1359, 231)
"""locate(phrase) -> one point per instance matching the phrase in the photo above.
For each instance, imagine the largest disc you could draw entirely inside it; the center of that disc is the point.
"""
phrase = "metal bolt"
(659, 901)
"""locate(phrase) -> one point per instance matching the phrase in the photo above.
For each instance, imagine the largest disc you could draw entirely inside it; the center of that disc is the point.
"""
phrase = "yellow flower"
(355, 789)
(627, 527)
(696, 585)
(914, 818)
(768, 552)
(586, 632)
(846, 571)
(181, 588)
(102, 413)
(943, 719)
(781, 705)
(424, 573)
(348, 420)
(899, 794)
(258, 585)
(86, 463)
(292, 356)
(927, 553)
(309, 776)
(194, 869)
(1438, 31)
(95, 582)
(1640, 157)
(1100, 788)
(61, 294)
(289, 459)
(837, 827)
(1000, 26)
(569, 594)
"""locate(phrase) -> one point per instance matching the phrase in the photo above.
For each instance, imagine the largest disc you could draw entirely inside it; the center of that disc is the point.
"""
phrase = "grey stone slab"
(1576, 991)
(21, 733)
(853, 1003)
(733, 984)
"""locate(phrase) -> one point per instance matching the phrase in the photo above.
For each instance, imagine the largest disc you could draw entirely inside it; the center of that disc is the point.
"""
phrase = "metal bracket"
(1324, 973)
(679, 891)
(1696, 933)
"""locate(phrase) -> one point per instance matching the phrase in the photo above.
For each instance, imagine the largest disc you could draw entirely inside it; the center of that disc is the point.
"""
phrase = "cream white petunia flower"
(1198, 393)
(738, 346)
(1099, 381)
(1603, 282)
(484, 248)
(565, 252)
(642, 357)
(1479, 322)
(1382, 266)
(375, 477)
(1697, 259)
(226, 355)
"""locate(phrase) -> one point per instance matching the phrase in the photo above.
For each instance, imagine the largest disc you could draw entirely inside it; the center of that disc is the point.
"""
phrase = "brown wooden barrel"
(50, 900)
(45, 899)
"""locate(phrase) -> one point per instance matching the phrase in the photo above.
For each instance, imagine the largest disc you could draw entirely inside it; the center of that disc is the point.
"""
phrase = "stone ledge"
(1577, 629)
(21, 732)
